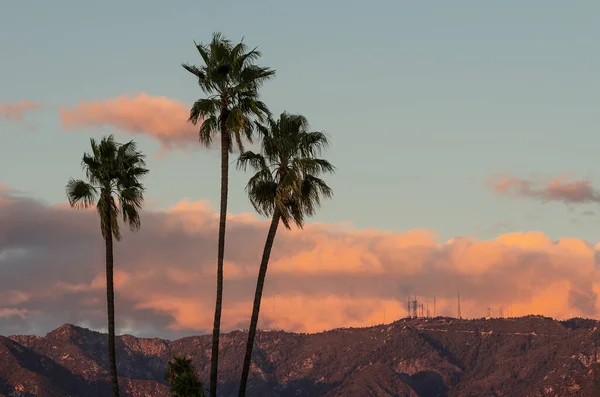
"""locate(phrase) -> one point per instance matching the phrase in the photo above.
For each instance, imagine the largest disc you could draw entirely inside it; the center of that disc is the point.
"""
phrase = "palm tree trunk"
(214, 363)
(110, 300)
(262, 273)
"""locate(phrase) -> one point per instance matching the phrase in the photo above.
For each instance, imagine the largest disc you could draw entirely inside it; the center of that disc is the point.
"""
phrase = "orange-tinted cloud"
(157, 116)
(16, 111)
(562, 188)
(322, 277)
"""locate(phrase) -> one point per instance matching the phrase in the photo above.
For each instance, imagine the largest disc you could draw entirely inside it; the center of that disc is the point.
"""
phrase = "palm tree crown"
(287, 170)
(111, 169)
(231, 81)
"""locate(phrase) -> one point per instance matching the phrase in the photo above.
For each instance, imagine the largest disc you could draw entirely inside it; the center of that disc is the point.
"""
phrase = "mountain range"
(526, 356)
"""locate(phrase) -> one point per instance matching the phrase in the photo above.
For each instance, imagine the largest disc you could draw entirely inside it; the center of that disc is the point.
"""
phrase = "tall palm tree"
(287, 187)
(112, 169)
(182, 378)
(231, 81)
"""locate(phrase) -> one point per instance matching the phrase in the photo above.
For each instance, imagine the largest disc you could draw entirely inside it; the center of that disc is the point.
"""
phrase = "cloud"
(16, 111)
(161, 118)
(323, 277)
(562, 189)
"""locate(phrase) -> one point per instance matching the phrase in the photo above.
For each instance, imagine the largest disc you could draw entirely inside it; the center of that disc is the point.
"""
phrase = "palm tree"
(112, 169)
(231, 81)
(286, 187)
(182, 378)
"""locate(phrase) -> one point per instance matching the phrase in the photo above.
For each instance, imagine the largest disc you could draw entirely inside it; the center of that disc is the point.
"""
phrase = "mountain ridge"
(526, 356)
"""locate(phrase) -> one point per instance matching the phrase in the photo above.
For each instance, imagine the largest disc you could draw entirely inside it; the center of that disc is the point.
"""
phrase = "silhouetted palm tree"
(231, 81)
(286, 187)
(182, 378)
(112, 169)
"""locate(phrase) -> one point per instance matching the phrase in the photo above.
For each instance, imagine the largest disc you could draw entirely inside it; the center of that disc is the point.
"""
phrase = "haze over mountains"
(528, 356)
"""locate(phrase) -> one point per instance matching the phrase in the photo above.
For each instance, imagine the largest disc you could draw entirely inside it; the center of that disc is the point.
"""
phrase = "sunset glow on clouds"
(323, 277)
(160, 117)
(16, 111)
(563, 188)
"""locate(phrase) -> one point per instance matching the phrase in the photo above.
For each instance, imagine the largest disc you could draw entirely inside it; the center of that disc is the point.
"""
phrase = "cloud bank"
(563, 189)
(16, 111)
(157, 116)
(324, 277)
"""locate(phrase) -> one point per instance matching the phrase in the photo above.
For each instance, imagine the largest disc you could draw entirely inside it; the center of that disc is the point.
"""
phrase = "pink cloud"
(16, 111)
(157, 116)
(323, 277)
(562, 188)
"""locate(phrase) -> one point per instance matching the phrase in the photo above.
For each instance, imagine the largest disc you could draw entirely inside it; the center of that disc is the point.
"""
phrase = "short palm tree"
(111, 169)
(286, 187)
(182, 378)
(231, 81)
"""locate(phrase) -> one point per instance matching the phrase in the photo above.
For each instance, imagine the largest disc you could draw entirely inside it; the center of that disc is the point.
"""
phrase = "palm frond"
(209, 128)
(313, 143)
(204, 108)
(253, 160)
(312, 166)
(105, 200)
(262, 192)
(252, 77)
(204, 52)
(131, 215)
(80, 193)
(195, 70)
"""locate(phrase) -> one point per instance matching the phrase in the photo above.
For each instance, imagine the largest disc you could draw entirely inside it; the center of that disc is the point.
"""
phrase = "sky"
(464, 136)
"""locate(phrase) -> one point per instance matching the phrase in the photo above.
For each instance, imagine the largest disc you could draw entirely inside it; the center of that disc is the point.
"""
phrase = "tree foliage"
(288, 170)
(231, 80)
(112, 169)
(181, 376)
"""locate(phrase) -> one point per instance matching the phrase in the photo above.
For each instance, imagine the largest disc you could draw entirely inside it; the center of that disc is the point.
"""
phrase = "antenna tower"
(459, 315)
(414, 308)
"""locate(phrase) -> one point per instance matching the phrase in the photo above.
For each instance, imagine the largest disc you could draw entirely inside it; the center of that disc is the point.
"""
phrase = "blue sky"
(423, 102)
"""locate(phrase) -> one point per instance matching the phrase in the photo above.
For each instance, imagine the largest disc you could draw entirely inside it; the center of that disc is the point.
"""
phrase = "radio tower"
(459, 315)
(415, 314)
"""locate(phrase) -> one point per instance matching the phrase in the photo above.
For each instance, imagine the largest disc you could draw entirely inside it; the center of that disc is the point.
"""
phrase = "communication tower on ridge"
(414, 307)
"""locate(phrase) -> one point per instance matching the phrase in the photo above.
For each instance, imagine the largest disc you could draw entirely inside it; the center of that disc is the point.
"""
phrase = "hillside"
(529, 356)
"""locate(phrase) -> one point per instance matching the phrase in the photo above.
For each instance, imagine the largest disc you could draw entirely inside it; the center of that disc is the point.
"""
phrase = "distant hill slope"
(528, 356)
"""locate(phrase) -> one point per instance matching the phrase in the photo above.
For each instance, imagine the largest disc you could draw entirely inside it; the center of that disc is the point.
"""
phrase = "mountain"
(527, 356)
